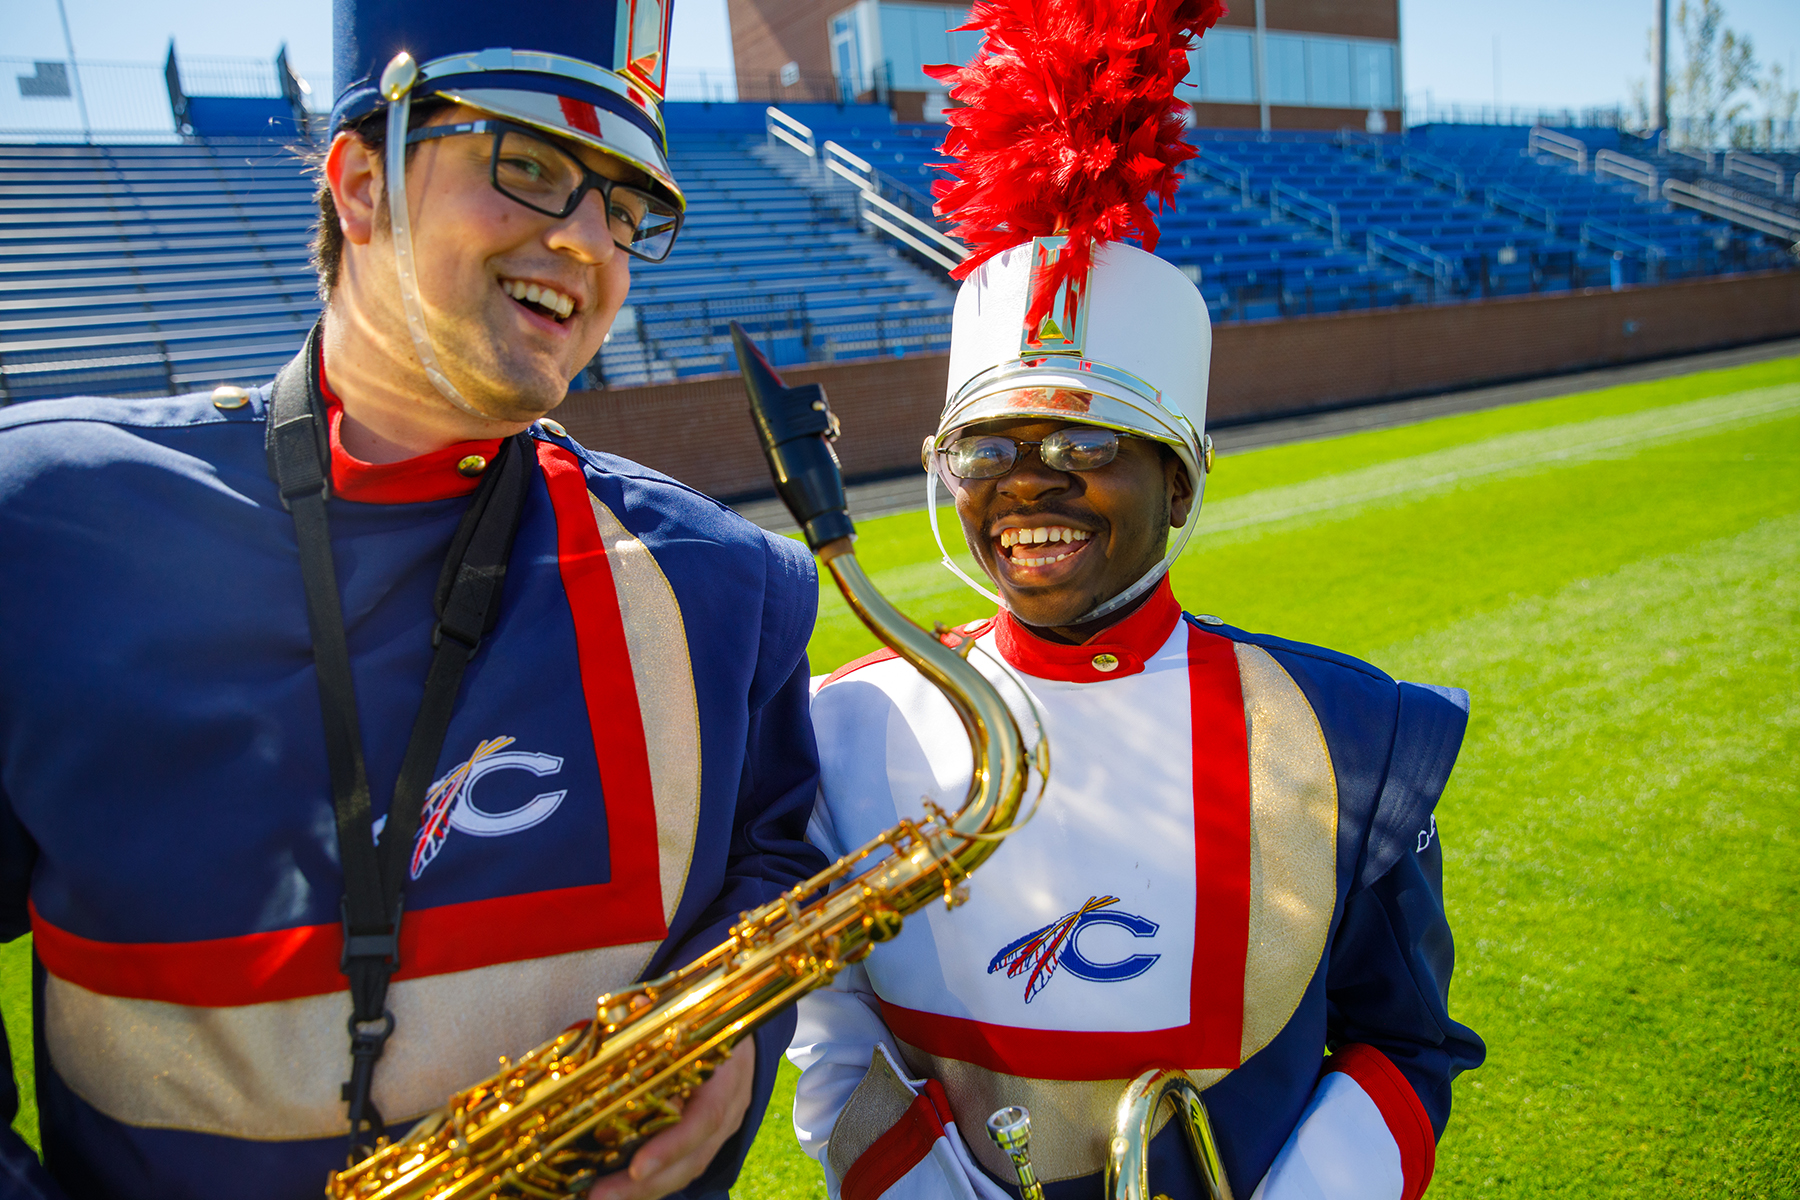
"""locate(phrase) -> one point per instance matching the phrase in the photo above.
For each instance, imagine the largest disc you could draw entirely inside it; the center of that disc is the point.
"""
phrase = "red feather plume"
(1071, 125)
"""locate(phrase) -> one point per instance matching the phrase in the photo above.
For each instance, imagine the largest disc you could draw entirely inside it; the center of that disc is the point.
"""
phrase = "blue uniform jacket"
(630, 766)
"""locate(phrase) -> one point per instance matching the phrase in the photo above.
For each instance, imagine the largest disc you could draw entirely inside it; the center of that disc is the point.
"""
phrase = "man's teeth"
(1047, 533)
(533, 293)
(1053, 534)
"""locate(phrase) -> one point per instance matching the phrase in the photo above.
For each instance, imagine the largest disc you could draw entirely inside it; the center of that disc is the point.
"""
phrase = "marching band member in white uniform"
(1235, 869)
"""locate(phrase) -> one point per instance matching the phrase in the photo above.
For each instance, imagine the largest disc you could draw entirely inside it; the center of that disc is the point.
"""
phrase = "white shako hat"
(1133, 355)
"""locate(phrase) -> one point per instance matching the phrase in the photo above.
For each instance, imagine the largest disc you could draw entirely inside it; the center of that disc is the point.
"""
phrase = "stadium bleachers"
(146, 269)
(150, 269)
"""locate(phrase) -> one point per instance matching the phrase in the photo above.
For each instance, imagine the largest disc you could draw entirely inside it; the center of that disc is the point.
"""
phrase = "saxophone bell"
(1010, 1127)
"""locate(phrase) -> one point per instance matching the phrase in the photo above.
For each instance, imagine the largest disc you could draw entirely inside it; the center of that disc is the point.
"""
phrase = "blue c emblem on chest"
(1038, 954)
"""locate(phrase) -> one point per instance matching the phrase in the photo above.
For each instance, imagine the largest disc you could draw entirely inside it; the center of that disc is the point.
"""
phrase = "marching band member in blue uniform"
(264, 726)
(1235, 869)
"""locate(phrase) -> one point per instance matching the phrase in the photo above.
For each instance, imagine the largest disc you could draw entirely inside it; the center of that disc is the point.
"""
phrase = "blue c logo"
(1038, 954)
(1115, 972)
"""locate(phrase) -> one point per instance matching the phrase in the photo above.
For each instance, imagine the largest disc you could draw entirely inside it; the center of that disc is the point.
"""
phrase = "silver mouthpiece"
(1010, 1127)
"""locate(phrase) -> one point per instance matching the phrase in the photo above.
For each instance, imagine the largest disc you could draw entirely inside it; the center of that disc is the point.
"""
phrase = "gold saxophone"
(575, 1107)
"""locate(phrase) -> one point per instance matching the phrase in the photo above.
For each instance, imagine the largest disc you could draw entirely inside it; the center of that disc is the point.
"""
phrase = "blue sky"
(1552, 52)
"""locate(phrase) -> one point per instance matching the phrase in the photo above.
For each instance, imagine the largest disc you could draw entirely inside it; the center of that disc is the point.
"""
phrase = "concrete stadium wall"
(699, 430)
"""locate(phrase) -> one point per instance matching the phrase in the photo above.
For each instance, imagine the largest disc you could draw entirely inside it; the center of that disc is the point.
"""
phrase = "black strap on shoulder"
(468, 606)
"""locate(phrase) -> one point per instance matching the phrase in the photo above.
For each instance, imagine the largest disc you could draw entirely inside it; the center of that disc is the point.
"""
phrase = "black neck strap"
(468, 606)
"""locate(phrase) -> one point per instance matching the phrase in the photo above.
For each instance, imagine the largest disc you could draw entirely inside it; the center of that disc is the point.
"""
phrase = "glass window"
(1372, 74)
(1222, 66)
(1287, 67)
(1327, 72)
(915, 36)
(846, 53)
(966, 44)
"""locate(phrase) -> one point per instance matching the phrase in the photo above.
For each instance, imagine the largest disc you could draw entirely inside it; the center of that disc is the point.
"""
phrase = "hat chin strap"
(1146, 581)
(399, 111)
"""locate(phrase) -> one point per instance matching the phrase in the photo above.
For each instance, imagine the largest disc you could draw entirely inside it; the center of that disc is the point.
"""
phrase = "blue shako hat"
(589, 70)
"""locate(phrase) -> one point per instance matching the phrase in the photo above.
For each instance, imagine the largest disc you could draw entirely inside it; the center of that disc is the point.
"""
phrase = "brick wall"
(1362, 18)
(1215, 115)
(699, 430)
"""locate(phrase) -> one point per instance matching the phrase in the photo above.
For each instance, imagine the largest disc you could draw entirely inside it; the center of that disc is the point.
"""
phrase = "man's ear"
(353, 173)
(1181, 490)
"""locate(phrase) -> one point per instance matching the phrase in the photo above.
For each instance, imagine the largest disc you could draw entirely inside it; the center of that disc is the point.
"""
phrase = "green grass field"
(1615, 577)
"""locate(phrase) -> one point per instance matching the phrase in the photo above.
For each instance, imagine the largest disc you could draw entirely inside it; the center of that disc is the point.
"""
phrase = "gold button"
(229, 397)
(472, 466)
(1209, 619)
(1206, 454)
(1105, 662)
(553, 428)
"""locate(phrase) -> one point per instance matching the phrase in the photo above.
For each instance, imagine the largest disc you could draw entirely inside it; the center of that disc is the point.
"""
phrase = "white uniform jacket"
(1234, 869)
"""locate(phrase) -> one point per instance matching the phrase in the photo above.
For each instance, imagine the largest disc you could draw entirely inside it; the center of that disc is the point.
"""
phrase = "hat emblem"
(1063, 329)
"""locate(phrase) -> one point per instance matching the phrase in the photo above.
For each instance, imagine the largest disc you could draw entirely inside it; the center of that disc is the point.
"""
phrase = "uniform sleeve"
(1370, 1130)
(21, 1174)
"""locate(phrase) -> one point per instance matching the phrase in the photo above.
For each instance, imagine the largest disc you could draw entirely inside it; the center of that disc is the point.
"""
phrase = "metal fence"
(44, 100)
(1744, 133)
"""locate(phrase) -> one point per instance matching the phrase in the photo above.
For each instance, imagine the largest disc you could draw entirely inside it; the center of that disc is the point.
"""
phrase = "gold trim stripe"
(1293, 846)
(656, 638)
(271, 1072)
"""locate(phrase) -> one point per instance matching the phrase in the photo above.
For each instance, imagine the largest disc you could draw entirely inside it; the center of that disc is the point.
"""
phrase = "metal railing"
(783, 128)
(1414, 256)
(878, 207)
(1217, 166)
(1748, 165)
(883, 203)
(1511, 199)
(1547, 141)
(1360, 141)
(1730, 208)
(1436, 171)
(1314, 211)
(1611, 237)
(1703, 157)
(1632, 170)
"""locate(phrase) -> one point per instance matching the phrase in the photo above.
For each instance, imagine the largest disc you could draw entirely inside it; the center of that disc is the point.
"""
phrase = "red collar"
(1131, 642)
(433, 476)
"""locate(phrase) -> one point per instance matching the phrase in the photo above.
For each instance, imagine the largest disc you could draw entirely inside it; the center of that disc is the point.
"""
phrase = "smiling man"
(1234, 871)
(359, 727)
(1234, 868)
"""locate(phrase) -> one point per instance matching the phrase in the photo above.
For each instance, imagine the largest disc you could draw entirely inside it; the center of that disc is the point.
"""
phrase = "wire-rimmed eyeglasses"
(991, 455)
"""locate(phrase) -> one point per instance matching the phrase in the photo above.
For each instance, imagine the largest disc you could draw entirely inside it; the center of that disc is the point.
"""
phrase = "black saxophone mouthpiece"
(797, 428)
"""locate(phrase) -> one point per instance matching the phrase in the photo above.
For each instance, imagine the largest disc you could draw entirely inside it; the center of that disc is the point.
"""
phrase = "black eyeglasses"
(991, 455)
(545, 178)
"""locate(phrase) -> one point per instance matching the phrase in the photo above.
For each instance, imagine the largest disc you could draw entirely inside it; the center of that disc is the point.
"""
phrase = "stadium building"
(154, 221)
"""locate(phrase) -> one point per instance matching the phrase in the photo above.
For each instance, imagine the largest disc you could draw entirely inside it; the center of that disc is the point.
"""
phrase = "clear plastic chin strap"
(1148, 580)
(396, 84)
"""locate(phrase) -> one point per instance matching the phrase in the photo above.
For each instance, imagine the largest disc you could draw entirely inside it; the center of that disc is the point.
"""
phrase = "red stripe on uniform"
(609, 687)
(1400, 1107)
(856, 664)
(287, 964)
(899, 1150)
(1221, 851)
(1213, 1036)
